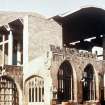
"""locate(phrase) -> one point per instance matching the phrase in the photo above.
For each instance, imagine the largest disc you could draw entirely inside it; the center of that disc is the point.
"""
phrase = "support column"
(71, 89)
(104, 59)
(94, 90)
(25, 41)
(104, 85)
(10, 48)
(18, 54)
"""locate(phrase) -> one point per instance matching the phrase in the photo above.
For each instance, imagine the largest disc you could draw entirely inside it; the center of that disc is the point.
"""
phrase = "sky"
(48, 7)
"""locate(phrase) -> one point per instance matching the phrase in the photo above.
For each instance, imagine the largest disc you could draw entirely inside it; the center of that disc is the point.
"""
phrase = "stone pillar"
(10, 48)
(104, 85)
(25, 40)
(71, 89)
(18, 54)
(104, 59)
(94, 89)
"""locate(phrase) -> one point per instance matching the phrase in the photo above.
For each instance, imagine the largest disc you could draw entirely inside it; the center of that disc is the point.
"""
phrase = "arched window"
(35, 89)
(65, 82)
(89, 84)
(8, 92)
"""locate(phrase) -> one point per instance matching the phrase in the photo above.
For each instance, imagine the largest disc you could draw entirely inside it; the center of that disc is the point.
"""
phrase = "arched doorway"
(65, 82)
(8, 91)
(89, 83)
(34, 89)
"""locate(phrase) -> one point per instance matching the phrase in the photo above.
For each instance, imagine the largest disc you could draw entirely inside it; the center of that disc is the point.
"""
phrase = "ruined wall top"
(71, 51)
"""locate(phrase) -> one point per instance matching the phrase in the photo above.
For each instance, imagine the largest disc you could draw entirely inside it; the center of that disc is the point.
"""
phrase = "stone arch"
(67, 74)
(34, 90)
(90, 83)
(7, 83)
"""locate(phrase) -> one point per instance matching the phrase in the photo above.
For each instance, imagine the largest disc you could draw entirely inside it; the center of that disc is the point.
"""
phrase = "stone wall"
(42, 33)
(16, 73)
(78, 62)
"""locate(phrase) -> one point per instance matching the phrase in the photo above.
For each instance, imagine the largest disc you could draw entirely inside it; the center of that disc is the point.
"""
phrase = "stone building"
(42, 62)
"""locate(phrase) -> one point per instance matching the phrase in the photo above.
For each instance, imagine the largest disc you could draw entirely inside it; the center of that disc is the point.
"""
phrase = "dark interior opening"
(65, 86)
(89, 85)
(85, 23)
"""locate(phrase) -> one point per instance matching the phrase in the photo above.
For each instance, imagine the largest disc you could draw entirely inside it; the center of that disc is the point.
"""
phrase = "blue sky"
(48, 7)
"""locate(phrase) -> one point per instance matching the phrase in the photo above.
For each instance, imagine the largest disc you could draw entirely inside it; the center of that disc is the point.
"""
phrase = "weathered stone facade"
(78, 61)
(15, 74)
(40, 71)
(44, 31)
